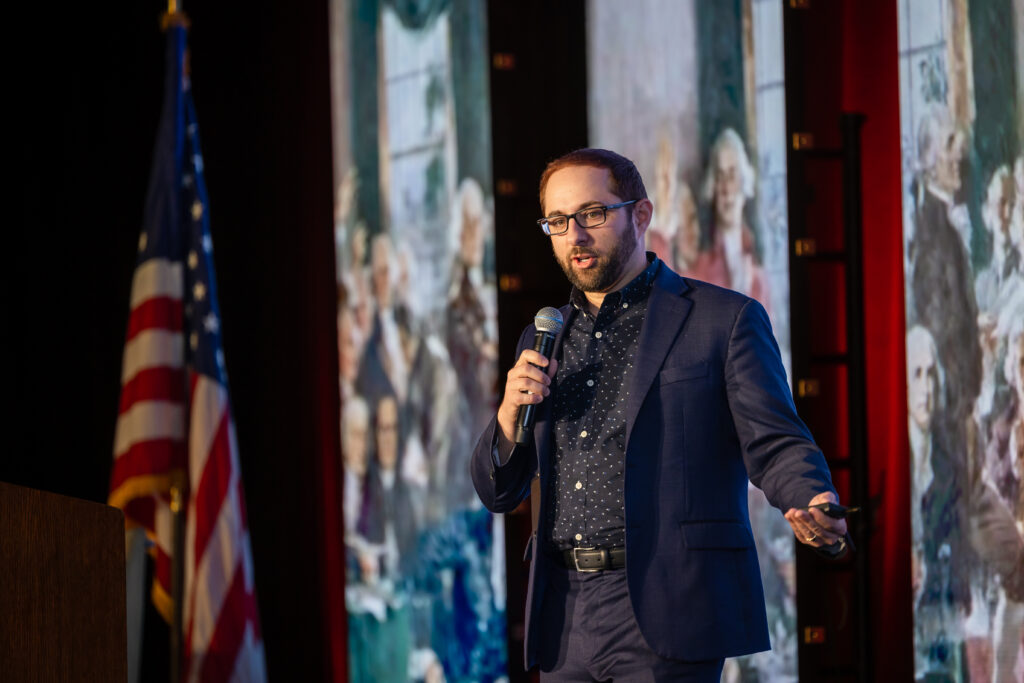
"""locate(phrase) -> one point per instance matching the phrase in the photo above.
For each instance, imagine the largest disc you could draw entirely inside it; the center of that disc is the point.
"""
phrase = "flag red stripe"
(153, 384)
(237, 609)
(142, 511)
(148, 457)
(160, 312)
(211, 492)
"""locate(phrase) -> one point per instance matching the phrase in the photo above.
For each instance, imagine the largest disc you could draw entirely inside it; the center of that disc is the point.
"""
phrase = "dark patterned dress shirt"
(591, 390)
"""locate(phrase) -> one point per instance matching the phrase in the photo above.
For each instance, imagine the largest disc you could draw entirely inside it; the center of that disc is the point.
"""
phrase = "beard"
(603, 275)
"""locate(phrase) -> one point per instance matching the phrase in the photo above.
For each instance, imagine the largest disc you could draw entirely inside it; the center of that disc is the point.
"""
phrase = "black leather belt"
(592, 559)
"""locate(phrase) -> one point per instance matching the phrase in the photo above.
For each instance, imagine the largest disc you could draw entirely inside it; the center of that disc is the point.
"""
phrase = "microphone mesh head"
(548, 319)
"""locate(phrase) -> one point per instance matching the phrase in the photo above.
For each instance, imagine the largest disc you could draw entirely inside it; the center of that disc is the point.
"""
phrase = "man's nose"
(576, 234)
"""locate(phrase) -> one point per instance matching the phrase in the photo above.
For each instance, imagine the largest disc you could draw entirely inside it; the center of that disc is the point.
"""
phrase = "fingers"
(814, 528)
(531, 357)
(528, 382)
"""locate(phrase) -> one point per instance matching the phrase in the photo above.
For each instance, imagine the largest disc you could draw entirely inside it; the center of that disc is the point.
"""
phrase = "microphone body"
(548, 323)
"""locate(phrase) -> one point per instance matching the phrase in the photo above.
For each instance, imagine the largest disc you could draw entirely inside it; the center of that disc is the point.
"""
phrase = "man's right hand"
(528, 382)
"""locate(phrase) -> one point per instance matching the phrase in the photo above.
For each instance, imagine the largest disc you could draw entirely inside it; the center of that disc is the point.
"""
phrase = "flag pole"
(179, 499)
(179, 482)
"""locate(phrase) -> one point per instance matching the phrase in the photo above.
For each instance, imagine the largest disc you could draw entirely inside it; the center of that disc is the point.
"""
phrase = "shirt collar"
(940, 194)
(636, 290)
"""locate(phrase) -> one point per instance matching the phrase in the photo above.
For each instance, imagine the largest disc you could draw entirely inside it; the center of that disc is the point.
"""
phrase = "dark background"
(88, 83)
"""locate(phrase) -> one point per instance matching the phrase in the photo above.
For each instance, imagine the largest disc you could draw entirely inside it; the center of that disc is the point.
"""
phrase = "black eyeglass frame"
(544, 222)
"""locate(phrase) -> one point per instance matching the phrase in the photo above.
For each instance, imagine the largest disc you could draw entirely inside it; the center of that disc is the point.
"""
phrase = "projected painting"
(962, 119)
(693, 92)
(424, 583)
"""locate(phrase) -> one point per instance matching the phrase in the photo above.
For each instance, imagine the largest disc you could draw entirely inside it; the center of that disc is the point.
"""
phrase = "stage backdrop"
(425, 570)
(693, 92)
(962, 123)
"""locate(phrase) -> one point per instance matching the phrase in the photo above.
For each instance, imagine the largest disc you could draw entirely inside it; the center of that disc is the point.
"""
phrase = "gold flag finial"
(174, 16)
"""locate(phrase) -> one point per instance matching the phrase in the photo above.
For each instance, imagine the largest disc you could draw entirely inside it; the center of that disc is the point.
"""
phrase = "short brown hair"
(626, 182)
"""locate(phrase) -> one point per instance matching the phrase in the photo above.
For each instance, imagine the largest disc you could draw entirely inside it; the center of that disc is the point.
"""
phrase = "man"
(661, 396)
(941, 280)
(391, 525)
(924, 387)
(384, 340)
(471, 330)
(939, 568)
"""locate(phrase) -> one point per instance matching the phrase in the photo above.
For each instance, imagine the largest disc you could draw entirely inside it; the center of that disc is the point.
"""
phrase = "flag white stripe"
(216, 571)
(147, 421)
(157, 277)
(152, 348)
(208, 402)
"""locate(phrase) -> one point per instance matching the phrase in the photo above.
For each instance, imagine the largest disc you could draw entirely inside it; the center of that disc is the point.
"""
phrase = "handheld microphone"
(548, 322)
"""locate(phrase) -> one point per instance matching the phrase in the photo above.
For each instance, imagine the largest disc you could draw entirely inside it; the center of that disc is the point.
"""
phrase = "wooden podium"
(62, 588)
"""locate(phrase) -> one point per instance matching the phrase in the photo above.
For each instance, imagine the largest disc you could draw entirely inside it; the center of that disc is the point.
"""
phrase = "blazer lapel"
(667, 310)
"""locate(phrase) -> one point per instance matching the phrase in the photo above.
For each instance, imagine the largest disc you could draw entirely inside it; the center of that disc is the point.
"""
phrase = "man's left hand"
(813, 527)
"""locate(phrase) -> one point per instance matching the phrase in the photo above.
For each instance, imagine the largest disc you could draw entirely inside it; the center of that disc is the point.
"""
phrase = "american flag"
(175, 416)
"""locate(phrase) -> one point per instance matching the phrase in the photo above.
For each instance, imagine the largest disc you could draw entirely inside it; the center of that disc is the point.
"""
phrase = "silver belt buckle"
(576, 561)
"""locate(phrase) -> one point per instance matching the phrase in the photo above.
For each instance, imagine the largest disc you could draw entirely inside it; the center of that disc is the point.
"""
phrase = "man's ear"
(643, 211)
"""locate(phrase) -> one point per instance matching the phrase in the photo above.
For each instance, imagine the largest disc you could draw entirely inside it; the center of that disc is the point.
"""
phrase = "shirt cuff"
(496, 455)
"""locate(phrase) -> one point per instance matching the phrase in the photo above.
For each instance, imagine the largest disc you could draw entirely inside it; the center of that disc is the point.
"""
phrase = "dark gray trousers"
(588, 633)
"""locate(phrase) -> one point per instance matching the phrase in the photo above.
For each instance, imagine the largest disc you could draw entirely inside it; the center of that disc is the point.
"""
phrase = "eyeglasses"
(590, 217)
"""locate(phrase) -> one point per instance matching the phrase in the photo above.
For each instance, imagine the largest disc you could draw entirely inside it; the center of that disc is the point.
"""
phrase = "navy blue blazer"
(709, 407)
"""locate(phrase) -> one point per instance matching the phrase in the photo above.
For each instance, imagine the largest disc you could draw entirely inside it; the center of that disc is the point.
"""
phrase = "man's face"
(947, 164)
(1005, 206)
(922, 384)
(348, 347)
(354, 445)
(387, 434)
(471, 240)
(594, 259)
(381, 273)
(728, 190)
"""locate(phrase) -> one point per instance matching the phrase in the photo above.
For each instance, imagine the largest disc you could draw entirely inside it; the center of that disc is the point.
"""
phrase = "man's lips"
(584, 260)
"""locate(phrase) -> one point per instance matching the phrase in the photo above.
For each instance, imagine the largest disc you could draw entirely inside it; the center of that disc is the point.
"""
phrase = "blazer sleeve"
(503, 486)
(779, 453)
